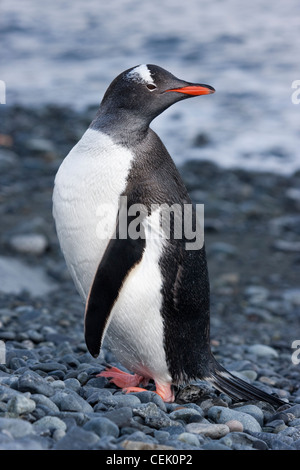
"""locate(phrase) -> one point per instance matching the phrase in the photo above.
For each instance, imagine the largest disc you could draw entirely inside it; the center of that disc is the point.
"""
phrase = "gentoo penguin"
(146, 293)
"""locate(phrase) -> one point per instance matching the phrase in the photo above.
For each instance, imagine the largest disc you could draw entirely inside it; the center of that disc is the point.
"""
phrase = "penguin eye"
(151, 86)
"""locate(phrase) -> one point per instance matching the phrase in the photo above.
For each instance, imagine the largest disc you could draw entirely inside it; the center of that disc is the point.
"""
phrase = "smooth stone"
(253, 411)
(8, 160)
(222, 415)
(58, 384)
(32, 382)
(77, 438)
(74, 416)
(20, 404)
(49, 366)
(73, 384)
(256, 294)
(6, 393)
(243, 441)
(294, 410)
(16, 276)
(149, 396)
(262, 350)
(121, 416)
(189, 438)
(185, 414)
(16, 427)
(214, 431)
(275, 441)
(49, 423)
(68, 400)
(31, 243)
(153, 415)
(45, 401)
(126, 400)
(137, 445)
(40, 144)
(235, 426)
(248, 374)
(102, 427)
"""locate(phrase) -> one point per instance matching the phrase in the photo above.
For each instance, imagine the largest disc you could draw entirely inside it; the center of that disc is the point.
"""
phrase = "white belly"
(85, 206)
(85, 202)
(135, 333)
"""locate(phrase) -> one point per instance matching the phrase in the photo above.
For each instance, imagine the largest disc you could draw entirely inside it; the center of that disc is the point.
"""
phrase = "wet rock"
(16, 427)
(102, 427)
(262, 350)
(32, 382)
(19, 405)
(222, 415)
(16, 276)
(214, 431)
(30, 243)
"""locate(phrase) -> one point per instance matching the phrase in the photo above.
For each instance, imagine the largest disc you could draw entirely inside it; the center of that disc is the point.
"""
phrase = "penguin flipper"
(120, 257)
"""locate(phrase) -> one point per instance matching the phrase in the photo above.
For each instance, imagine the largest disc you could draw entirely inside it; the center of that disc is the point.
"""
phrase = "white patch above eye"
(141, 73)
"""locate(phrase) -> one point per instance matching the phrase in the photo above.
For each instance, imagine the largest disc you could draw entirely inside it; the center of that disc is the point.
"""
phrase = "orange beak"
(195, 90)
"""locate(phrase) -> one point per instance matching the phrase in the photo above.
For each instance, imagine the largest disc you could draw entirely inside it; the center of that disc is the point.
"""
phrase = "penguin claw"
(122, 379)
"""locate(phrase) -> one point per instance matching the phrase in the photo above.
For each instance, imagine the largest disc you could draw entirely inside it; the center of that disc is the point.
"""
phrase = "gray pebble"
(49, 423)
(98, 382)
(126, 400)
(243, 441)
(185, 414)
(16, 427)
(252, 410)
(29, 243)
(32, 382)
(77, 438)
(73, 384)
(261, 350)
(121, 416)
(294, 410)
(74, 417)
(221, 415)
(102, 427)
(49, 366)
(19, 405)
(214, 431)
(153, 415)
(149, 396)
(45, 401)
(68, 400)
(189, 438)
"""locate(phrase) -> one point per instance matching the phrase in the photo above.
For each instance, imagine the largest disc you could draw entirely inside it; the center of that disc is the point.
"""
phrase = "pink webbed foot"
(123, 379)
(164, 391)
(129, 383)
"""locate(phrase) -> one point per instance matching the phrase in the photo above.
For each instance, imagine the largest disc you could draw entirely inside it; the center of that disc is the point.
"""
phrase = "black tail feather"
(236, 388)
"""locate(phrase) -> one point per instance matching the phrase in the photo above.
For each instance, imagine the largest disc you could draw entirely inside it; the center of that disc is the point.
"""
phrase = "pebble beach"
(50, 397)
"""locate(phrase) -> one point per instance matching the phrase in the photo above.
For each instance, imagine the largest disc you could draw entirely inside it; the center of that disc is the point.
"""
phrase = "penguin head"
(145, 91)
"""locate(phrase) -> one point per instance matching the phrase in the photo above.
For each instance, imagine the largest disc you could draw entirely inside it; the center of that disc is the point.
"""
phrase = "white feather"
(141, 73)
(85, 202)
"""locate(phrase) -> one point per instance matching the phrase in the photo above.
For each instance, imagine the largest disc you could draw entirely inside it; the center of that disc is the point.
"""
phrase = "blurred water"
(67, 53)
